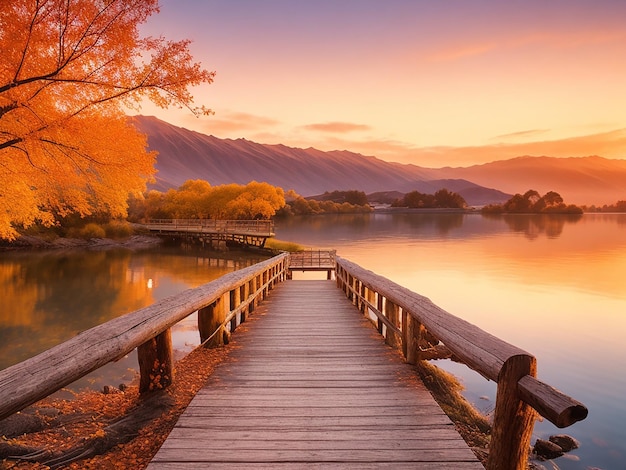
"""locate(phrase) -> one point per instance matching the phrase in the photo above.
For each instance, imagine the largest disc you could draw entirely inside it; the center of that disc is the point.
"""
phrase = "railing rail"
(221, 304)
(257, 227)
(414, 324)
(322, 259)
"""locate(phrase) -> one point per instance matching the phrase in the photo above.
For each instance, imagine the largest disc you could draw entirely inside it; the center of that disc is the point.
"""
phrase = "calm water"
(49, 297)
(553, 286)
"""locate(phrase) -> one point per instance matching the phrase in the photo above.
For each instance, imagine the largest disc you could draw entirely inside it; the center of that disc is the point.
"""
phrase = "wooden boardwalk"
(311, 384)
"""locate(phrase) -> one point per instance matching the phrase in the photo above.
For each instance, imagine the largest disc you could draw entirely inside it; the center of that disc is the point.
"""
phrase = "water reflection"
(533, 226)
(49, 297)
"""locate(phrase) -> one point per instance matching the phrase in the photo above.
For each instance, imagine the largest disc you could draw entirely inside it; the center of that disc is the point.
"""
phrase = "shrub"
(91, 230)
(118, 229)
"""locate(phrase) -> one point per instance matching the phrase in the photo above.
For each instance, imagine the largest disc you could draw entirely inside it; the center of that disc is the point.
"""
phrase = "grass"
(473, 426)
(280, 245)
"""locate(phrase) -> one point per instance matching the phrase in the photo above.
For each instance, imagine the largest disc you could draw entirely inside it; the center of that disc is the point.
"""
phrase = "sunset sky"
(435, 83)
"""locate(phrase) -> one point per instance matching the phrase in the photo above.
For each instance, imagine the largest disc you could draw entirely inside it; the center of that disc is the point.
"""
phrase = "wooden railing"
(414, 324)
(256, 227)
(313, 260)
(221, 304)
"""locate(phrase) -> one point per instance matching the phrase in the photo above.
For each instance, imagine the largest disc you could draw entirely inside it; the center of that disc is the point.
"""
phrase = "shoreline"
(34, 243)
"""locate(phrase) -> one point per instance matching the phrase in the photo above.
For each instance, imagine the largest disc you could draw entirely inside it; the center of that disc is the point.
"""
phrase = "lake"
(554, 286)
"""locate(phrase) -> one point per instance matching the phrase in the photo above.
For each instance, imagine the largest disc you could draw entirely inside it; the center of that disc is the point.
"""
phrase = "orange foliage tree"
(68, 71)
(197, 199)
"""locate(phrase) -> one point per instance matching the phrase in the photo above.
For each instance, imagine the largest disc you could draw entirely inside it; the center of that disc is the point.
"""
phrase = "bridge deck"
(311, 384)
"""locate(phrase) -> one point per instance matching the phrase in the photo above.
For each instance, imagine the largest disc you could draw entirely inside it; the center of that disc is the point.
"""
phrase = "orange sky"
(433, 83)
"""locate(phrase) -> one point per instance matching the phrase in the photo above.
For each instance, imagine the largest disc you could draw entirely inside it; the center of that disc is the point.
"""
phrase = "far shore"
(28, 243)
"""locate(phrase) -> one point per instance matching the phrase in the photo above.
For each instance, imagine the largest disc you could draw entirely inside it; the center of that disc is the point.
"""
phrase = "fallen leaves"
(93, 411)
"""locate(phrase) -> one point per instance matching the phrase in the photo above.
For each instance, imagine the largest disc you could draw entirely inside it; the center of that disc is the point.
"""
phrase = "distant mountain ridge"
(185, 154)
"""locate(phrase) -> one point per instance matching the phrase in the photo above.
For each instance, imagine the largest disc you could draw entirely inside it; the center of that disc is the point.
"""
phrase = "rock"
(110, 389)
(547, 450)
(565, 442)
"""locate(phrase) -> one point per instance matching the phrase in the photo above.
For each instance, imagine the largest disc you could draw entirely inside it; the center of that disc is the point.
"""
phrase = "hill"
(185, 154)
(580, 180)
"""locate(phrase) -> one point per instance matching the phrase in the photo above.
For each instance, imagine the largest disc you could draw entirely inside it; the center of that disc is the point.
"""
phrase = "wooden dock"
(311, 384)
(214, 232)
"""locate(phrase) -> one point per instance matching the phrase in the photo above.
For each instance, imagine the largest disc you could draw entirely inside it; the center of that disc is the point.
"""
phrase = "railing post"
(371, 300)
(243, 296)
(391, 312)
(235, 301)
(265, 287)
(379, 307)
(252, 292)
(362, 298)
(411, 333)
(513, 419)
(156, 362)
(210, 319)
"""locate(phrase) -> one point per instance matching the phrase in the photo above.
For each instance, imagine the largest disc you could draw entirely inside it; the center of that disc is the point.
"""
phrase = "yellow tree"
(190, 199)
(68, 70)
(256, 201)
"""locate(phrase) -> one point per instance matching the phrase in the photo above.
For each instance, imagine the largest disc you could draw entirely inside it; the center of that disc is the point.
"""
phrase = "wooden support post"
(352, 282)
(235, 301)
(362, 298)
(252, 292)
(513, 419)
(156, 363)
(411, 333)
(243, 296)
(379, 306)
(210, 319)
(338, 277)
(391, 312)
(371, 300)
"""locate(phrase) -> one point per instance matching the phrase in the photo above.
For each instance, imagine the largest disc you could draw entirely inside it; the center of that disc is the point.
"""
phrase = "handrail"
(227, 299)
(213, 225)
(312, 259)
(409, 317)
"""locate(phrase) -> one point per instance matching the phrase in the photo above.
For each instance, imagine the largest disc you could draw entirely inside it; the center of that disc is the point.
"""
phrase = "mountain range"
(185, 154)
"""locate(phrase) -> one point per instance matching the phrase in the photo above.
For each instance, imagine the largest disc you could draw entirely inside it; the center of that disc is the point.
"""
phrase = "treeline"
(440, 200)
(531, 202)
(619, 206)
(335, 202)
(197, 199)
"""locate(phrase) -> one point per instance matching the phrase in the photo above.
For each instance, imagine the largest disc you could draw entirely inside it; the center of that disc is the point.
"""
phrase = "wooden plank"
(373, 454)
(311, 383)
(357, 438)
(315, 465)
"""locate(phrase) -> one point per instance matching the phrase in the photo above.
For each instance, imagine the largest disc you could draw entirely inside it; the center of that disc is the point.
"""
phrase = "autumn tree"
(68, 71)
(197, 199)
(531, 202)
(441, 199)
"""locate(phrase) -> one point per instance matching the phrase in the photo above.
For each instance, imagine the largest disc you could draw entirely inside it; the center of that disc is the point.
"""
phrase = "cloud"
(521, 134)
(224, 122)
(336, 127)
(558, 40)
